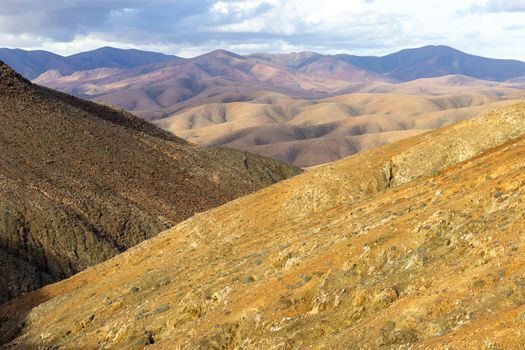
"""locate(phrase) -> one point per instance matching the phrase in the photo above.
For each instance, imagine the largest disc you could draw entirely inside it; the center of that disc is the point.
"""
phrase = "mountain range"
(81, 182)
(302, 108)
(402, 66)
(33, 63)
(405, 65)
(118, 234)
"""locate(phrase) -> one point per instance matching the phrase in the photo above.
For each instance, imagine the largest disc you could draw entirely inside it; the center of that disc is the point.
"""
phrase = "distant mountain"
(33, 63)
(109, 57)
(81, 182)
(157, 91)
(405, 65)
(436, 61)
(411, 64)
(293, 107)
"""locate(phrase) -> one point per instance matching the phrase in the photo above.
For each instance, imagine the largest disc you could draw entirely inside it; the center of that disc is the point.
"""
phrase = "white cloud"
(193, 26)
(497, 6)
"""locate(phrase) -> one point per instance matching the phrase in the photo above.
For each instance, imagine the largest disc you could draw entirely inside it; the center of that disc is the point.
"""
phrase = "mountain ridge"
(450, 61)
(31, 64)
(81, 182)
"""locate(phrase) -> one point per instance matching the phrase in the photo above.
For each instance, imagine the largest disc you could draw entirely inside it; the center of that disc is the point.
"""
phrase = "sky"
(492, 28)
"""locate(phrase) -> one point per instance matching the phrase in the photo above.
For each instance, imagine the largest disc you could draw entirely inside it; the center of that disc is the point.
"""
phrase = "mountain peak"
(221, 53)
(437, 49)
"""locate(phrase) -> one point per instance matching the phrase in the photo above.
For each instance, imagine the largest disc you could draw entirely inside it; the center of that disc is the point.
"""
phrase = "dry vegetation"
(414, 245)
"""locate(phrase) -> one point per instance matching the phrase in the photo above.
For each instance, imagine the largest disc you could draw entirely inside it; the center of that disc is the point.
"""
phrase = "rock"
(306, 278)
(161, 309)
(248, 279)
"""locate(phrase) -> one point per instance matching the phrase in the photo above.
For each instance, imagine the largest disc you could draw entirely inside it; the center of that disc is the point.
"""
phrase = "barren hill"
(413, 245)
(81, 182)
(310, 132)
(158, 90)
(298, 107)
(154, 91)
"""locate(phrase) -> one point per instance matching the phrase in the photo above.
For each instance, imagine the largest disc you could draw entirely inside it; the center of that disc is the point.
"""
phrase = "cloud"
(186, 27)
(515, 27)
(497, 6)
(64, 20)
(200, 22)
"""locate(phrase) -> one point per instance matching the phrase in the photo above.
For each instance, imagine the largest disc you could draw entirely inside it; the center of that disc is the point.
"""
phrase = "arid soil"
(414, 245)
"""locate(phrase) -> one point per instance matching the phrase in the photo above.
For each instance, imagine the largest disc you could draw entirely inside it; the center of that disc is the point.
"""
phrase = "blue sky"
(494, 28)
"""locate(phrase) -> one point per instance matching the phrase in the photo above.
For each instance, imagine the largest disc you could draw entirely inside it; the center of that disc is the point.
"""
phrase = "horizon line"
(258, 52)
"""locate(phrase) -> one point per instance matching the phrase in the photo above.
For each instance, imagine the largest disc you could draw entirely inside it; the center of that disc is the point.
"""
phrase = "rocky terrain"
(414, 245)
(81, 182)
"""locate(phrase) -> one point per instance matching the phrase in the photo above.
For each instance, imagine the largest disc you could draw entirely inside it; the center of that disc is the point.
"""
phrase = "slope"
(413, 245)
(80, 182)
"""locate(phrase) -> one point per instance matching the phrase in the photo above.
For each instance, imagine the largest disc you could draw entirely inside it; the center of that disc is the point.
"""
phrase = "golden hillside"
(413, 245)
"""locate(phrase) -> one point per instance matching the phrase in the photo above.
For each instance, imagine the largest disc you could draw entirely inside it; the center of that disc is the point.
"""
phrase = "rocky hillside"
(80, 182)
(413, 245)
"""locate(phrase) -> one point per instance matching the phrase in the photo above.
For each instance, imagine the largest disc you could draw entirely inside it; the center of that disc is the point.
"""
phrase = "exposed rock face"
(358, 254)
(81, 182)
